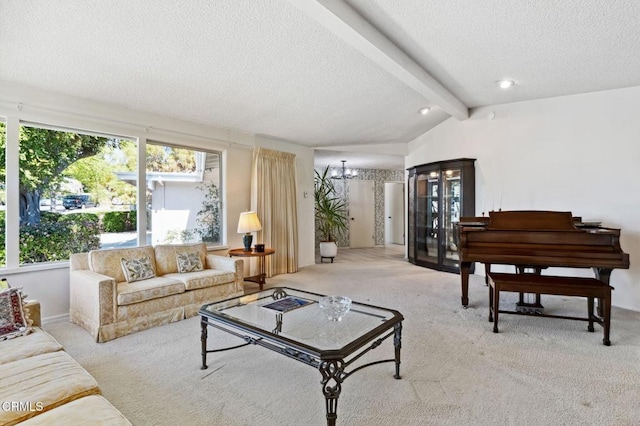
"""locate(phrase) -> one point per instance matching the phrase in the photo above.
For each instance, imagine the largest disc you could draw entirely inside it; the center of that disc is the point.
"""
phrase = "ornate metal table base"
(332, 365)
(333, 373)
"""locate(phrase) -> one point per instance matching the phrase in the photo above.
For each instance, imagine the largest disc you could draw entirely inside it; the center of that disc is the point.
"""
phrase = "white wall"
(50, 283)
(576, 153)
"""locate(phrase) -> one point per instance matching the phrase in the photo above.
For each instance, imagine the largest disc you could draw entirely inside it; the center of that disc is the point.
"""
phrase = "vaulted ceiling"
(321, 73)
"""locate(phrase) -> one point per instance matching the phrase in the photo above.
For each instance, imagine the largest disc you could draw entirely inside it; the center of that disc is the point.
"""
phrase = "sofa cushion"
(89, 410)
(40, 383)
(14, 321)
(152, 288)
(36, 343)
(166, 256)
(108, 261)
(137, 269)
(188, 261)
(205, 278)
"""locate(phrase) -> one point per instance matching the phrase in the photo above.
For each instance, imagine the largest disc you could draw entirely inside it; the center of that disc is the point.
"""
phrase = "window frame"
(78, 124)
(220, 154)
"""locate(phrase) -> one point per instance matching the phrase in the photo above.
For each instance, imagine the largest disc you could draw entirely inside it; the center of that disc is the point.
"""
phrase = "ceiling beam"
(341, 19)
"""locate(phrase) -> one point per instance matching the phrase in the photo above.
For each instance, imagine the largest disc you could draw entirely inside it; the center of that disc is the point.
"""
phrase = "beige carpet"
(536, 371)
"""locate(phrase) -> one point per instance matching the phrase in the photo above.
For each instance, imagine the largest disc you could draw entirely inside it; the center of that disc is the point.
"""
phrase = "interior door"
(361, 213)
(394, 213)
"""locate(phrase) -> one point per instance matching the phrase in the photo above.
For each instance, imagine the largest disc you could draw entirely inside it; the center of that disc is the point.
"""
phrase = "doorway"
(361, 213)
(394, 213)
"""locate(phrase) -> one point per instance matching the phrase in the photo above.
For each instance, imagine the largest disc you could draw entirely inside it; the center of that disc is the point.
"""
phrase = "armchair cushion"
(152, 288)
(43, 381)
(204, 278)
(36, 343)
(88, 410)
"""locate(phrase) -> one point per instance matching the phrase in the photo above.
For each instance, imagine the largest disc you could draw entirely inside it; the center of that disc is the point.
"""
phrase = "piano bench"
(553, 285)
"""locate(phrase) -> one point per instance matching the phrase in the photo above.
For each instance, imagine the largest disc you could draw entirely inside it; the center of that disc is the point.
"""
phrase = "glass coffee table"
(290, 322)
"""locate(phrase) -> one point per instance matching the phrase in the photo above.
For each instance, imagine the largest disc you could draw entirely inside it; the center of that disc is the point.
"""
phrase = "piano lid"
(531, 220)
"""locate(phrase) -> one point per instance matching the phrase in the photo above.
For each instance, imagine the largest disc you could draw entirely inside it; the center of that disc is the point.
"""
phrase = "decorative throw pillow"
(189, 261)
(137, 269)
(14, 321)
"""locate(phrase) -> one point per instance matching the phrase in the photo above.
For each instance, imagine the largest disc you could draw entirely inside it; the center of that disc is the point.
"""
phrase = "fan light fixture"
(344, 173)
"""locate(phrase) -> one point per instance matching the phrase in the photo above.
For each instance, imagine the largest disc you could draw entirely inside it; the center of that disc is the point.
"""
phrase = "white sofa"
(40, 384)
(104, 303)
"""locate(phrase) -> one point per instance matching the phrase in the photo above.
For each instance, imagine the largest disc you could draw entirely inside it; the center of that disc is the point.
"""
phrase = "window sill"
(35, 267)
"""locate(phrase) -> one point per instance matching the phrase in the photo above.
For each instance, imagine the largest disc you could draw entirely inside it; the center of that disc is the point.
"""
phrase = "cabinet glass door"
(427, 226)
(444, 192)
(411, 225)
(451, 215)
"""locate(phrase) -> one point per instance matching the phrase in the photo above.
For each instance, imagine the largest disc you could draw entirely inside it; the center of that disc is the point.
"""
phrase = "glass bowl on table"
(335, 307)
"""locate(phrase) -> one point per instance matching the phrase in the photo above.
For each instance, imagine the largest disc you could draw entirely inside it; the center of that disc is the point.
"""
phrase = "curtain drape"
(273, 197)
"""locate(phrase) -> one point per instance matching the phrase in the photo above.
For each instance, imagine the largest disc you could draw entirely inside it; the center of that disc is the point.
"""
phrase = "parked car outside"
(78, 201)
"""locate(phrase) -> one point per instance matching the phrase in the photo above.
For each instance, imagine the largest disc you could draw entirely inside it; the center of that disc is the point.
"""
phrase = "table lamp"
(247, 224)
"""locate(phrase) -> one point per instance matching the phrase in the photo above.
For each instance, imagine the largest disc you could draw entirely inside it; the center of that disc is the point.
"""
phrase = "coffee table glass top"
(296, 315)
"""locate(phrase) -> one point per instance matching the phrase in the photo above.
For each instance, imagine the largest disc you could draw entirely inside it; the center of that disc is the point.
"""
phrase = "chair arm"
(33, 306)
(92, 297)
(222, 263)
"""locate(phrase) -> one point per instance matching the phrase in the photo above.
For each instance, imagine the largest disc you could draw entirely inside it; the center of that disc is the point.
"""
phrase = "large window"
(68, 182)
(78, 192)
(184, 192)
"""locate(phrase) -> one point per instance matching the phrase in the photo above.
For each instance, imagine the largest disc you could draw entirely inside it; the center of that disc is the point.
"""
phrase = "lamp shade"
(248, 222)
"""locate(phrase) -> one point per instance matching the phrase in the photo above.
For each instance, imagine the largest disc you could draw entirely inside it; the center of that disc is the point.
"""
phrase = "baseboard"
(55, 318)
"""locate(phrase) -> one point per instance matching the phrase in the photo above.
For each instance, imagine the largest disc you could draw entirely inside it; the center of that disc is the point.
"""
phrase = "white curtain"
(273, 197)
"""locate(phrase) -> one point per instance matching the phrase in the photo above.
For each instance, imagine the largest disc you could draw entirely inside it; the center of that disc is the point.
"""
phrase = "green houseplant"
(330, 213)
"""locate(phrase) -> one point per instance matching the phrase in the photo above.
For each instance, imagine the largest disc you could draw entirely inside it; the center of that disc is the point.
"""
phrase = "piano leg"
(487, 271)
(604, 275)
(464, 279)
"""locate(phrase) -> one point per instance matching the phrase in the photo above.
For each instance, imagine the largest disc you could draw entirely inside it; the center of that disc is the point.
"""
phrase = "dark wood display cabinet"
(439, 194)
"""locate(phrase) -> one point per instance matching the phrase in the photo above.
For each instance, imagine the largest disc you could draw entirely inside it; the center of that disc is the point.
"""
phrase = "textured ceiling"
(312, 71)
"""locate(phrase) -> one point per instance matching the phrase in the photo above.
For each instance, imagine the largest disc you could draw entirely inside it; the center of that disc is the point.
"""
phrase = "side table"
(260, 278)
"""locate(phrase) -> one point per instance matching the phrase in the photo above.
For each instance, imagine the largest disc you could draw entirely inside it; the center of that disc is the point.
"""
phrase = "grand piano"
(537, 240)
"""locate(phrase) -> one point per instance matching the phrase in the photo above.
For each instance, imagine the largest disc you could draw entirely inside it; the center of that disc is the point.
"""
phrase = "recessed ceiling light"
(424, 111)
(505, 84)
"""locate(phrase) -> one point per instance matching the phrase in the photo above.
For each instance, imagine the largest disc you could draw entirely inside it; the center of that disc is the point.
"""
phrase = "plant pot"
(328, 249)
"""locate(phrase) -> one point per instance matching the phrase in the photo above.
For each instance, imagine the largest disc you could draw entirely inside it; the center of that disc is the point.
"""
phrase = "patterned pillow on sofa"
(188, 262)
(14, 320)
(137, 269)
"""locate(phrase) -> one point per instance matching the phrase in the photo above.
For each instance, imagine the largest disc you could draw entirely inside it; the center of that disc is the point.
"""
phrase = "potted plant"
(330, 212)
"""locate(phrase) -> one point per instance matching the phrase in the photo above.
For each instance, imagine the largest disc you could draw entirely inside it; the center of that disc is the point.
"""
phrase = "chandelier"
(344, 173)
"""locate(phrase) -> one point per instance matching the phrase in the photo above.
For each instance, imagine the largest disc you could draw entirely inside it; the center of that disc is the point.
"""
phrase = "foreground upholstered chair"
(41, 384)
